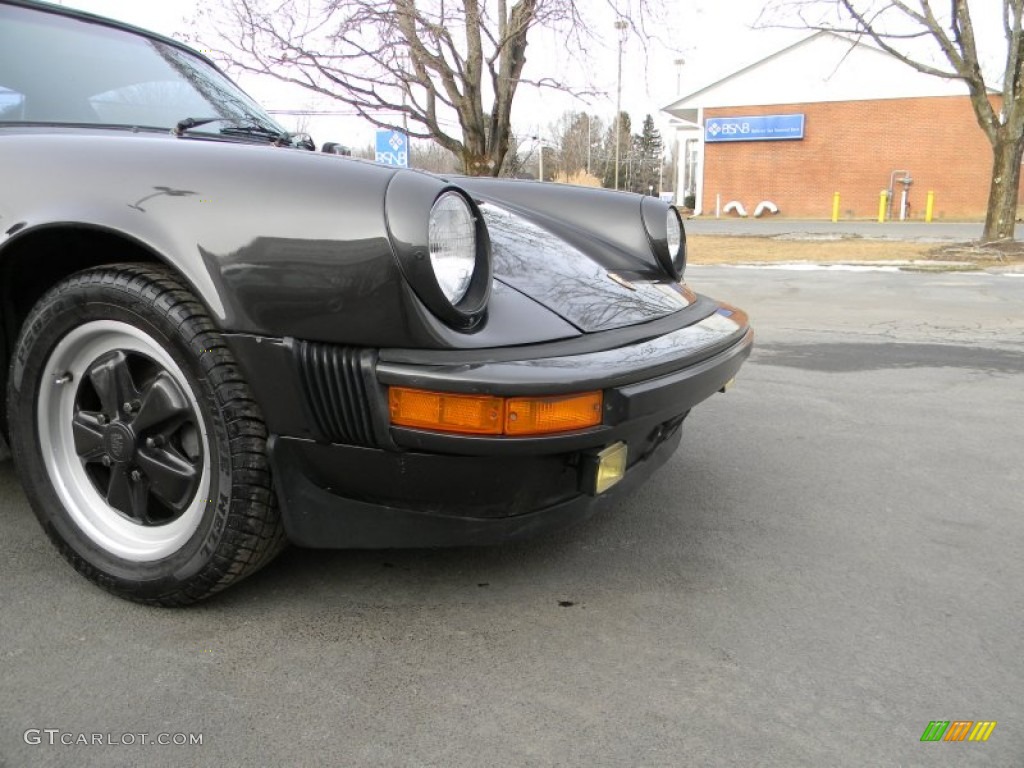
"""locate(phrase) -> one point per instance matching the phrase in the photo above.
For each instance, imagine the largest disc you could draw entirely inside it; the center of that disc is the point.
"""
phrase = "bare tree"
(517, 160)
(910, 30)
(429, 156)
(578, 136)
(446, 70)
(625, 141)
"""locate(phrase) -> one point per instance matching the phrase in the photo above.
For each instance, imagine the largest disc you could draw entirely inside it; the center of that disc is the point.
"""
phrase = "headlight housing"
(451, 242)
(442, 247)
(666, 234)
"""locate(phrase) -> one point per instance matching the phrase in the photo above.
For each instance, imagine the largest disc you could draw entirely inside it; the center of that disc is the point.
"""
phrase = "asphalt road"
(834, 558)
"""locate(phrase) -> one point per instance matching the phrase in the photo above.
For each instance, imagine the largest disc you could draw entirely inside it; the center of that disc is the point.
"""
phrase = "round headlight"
(451, 241)
(675, 233)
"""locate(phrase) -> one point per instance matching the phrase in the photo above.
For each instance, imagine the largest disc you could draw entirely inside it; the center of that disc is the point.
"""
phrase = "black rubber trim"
(646, 402)
(315, 517)
(668, 353)
(336, 384)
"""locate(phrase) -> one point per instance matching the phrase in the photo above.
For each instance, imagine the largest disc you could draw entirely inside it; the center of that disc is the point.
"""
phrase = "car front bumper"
(346, 478)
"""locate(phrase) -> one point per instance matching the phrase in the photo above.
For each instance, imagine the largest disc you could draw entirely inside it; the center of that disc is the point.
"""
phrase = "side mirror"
(334, 148)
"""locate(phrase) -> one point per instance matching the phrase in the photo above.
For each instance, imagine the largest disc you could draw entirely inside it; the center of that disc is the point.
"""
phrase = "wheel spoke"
(119, 492)
(172, 479)
(162, 402)
(88, 436)
(113, 382)
(128, 496)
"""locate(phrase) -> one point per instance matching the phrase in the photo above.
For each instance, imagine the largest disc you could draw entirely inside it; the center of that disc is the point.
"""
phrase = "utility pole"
(620, 26)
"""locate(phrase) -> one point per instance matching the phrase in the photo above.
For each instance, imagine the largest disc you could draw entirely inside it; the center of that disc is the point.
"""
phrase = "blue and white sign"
(393, 148)
(754, 128)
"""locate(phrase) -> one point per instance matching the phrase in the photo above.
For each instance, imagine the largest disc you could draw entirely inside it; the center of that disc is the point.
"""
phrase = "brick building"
(829, 115)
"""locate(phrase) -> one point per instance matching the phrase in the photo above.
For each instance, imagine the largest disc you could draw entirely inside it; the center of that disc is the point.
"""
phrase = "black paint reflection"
(160, 192)
(567, 281)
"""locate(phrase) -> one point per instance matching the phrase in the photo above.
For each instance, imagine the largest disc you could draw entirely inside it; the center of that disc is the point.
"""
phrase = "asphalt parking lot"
(833, 559)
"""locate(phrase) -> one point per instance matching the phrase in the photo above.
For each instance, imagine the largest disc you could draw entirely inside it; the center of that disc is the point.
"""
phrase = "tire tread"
(253, 533)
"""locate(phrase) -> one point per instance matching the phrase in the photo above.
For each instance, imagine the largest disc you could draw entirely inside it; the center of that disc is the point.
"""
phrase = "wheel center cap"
(119, 442)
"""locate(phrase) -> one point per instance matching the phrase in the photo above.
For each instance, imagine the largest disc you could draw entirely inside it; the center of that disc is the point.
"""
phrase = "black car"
(215, 339)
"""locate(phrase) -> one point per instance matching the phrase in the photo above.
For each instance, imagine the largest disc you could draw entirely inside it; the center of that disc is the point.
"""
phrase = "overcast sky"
(712, 36)
(715, 37)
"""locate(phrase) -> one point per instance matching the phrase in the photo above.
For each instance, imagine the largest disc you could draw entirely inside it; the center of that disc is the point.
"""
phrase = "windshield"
(60, 70)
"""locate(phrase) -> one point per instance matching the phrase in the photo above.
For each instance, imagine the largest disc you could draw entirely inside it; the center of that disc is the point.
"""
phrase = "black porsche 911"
(214, 339)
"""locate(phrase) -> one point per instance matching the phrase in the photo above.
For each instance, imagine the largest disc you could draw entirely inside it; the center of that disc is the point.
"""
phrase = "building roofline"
(780, 52)
(745, 69)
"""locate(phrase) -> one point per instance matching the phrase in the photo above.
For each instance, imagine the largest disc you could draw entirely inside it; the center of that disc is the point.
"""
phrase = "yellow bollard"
(835, 207)
(883, 199)
(929, 206)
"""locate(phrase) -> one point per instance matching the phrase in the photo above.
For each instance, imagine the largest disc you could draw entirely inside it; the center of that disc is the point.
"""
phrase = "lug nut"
(136, 475)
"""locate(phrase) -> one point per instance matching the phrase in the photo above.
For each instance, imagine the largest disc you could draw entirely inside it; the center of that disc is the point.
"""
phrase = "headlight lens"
(452, 243)
(675, 233)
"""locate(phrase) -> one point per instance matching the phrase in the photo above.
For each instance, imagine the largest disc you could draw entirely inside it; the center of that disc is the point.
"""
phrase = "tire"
(137, 440)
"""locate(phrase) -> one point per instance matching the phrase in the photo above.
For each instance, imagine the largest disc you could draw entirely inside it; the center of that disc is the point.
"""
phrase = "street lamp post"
(620, 26)
(676, 186)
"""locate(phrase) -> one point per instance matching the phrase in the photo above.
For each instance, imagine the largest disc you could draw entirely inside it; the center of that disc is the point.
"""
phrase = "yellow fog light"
(604, 469)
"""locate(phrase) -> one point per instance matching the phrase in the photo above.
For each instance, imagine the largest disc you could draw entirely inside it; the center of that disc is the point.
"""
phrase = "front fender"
(275, 241)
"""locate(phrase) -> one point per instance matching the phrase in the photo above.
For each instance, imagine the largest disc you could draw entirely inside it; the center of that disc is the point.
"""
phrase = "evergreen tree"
(649, 150)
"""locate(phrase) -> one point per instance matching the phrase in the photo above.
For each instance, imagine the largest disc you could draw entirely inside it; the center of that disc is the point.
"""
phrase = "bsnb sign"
(393, 148)
(754, 128)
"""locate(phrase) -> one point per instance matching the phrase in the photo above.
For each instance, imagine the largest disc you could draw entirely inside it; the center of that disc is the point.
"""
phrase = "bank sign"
(754, 128)
(393, 148)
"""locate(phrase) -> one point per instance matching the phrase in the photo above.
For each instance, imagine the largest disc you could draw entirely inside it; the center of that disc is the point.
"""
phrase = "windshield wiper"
(280, 138)
(194, 122)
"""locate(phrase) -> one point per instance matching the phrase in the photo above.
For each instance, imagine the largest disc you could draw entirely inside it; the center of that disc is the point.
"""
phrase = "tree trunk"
(482, 159)
(477, 164)
(1001, 218)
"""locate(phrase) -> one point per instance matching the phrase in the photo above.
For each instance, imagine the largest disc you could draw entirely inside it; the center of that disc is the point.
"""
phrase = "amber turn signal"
(442, 412)
(487, 415)
(543, 415)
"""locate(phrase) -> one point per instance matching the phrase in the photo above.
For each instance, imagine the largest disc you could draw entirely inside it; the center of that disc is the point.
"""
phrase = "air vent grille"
(335, 388)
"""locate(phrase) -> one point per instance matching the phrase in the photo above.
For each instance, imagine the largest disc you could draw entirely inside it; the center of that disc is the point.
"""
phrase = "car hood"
(582, 253)
(571, 273)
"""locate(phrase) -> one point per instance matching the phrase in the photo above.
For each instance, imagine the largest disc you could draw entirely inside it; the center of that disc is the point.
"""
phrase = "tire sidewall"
(56, 315)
